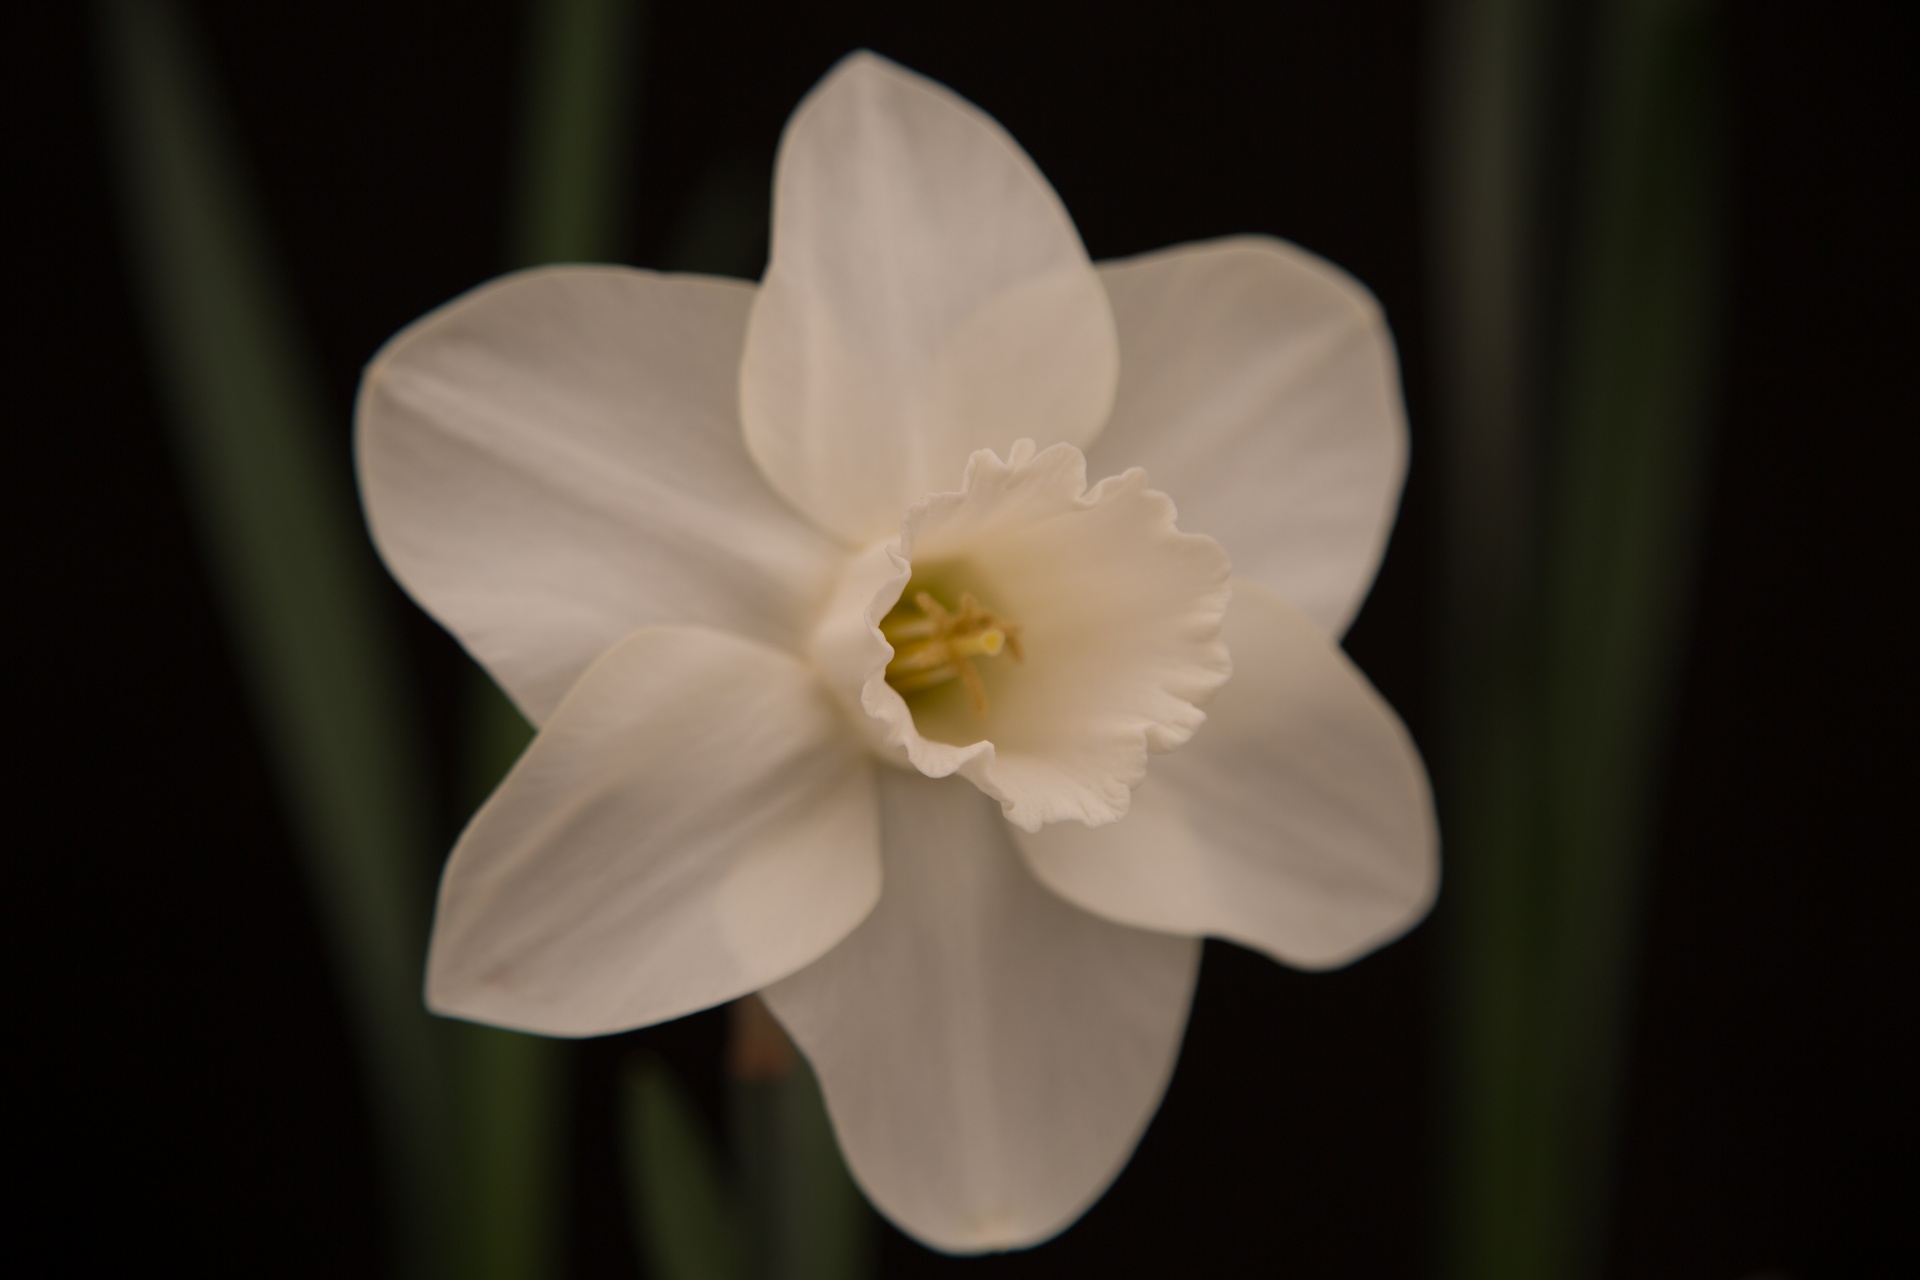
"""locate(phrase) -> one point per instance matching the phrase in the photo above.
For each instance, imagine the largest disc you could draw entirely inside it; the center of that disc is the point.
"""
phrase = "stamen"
(935, 646)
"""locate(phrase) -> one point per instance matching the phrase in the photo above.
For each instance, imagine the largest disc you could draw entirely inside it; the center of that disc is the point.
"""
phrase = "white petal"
(692, 823)
(926, 295)
(1297, 821)
(1120, 621)
(555, 460)
(1259, 387)
(990, 1055)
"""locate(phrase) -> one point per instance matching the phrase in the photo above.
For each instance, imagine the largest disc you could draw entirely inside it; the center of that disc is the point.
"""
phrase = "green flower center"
(935, 644)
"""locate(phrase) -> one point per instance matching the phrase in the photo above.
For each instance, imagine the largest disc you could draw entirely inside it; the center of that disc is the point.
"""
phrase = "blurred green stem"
(1578, 345)
(581, 74)
(577, 127)
(511, 1087)
(804, 1218)
(512, 1092)
(685, 1219)
(1488, 205)
(790, 1213)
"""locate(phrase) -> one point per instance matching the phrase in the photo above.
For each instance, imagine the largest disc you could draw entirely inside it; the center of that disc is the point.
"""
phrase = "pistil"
(935, 645)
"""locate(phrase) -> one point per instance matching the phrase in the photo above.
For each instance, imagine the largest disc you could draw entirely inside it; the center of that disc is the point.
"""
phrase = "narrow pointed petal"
(990, 1055)
(1259, 387)
(1297, 821)
(554, 460)
(694, 822)
(926, 295)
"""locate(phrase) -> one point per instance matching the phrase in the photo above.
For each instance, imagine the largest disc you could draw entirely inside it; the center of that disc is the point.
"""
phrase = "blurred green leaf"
(1570, 546)
(293, 569)
(1632, 420)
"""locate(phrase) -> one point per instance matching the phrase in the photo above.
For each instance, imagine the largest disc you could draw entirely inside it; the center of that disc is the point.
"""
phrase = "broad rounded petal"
(990, 1055)
(926, 295)
(1297, 821)
(555, 460)
(1259, 387)
(694, 822)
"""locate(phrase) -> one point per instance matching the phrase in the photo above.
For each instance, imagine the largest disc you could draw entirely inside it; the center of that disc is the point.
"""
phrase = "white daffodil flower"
(847, 681)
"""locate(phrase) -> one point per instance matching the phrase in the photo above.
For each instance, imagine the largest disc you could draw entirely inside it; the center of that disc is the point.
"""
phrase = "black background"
(198, 1101)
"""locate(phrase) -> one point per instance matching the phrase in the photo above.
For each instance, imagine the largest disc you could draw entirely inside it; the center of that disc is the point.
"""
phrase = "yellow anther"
(933, 645)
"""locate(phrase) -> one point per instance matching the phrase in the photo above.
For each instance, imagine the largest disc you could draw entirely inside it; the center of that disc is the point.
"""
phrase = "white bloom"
(680, 519)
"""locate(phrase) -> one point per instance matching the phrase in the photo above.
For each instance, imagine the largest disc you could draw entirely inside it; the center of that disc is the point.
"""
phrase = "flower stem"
(582, 84)
(512, 1091)
(576, 122)
(511, 1087)
(686, 1224)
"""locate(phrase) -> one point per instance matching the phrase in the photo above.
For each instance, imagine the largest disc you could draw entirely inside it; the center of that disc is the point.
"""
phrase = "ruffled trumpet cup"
(853, 691)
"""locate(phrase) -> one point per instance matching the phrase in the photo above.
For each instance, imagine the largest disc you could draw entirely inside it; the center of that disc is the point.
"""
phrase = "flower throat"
(934, 645)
